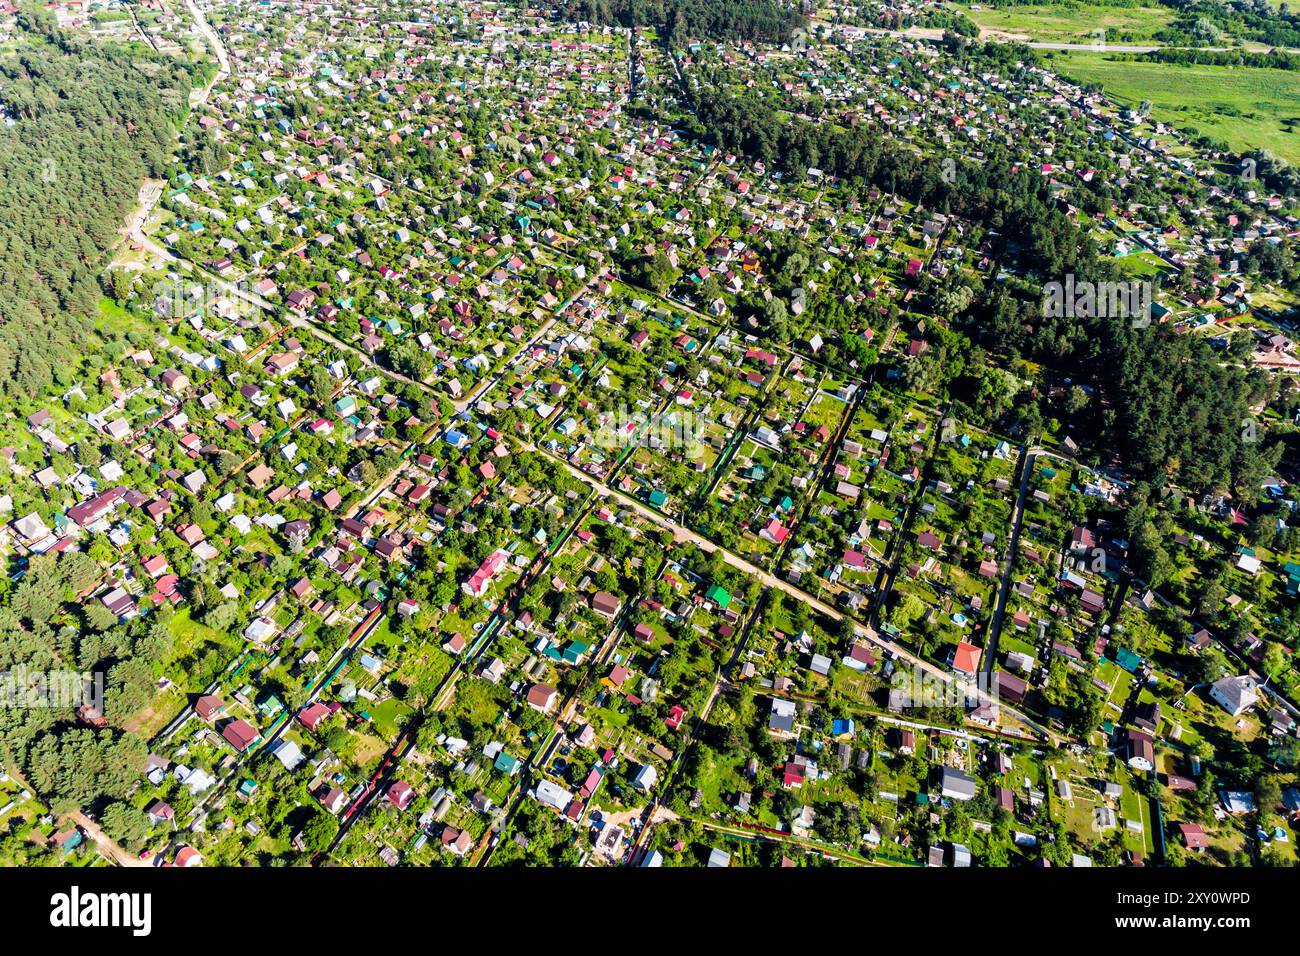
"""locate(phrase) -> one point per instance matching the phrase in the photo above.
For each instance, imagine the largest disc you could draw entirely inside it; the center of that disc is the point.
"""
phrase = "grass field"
(1071, 22)
(1244, 107)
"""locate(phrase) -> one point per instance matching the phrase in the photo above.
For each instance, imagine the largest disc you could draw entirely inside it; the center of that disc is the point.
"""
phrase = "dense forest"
(1212, 22)
(89, 122)
(758, 20)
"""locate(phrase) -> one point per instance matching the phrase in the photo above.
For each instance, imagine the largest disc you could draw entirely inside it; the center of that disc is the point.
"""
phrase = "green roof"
(573, 653)
(718, 595)
(506, 763)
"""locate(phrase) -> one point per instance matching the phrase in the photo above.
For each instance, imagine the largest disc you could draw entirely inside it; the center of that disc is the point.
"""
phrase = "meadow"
(1070, 22)
(1243, 107)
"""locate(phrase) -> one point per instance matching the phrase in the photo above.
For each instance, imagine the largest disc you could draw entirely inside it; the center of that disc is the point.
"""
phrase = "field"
(1243, 107)
(1070, 22)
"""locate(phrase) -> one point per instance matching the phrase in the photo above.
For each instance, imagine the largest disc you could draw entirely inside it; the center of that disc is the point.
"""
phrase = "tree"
(222, 617)
(127, 825)
(320, 832)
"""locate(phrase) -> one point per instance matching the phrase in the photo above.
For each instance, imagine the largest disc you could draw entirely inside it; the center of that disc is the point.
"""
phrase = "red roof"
(966, 658)
(240, 734)
(1193, 836)
(540, 695)
(209, 706)
(313, 714)
(400, 794)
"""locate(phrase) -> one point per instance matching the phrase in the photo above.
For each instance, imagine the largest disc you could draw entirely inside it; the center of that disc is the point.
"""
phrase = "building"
(481, 579)
(542, 697)
(645, 778)
(1235, 694)
(1141, 751)
(956, 785)
(966, 659)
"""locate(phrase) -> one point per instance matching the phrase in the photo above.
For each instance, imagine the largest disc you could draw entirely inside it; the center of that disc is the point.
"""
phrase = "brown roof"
(209, 706)
(540, 695)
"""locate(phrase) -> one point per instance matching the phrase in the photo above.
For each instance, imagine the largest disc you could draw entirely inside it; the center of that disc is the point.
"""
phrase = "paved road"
(1001, 36)
(223, 58)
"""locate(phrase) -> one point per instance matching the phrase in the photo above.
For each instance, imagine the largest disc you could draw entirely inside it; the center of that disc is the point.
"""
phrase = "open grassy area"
(1244, 107)
(113, 319)
(1071, 22)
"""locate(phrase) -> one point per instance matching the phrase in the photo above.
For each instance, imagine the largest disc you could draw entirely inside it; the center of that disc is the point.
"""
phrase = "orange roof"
(966, 658)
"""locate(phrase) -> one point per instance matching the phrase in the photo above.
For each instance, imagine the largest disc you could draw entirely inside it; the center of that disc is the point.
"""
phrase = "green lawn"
(113, 319)
(1244, 107)
(1071, 22)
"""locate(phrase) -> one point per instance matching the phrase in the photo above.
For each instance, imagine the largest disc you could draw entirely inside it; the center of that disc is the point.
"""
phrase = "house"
(312, 715)
(457, 842)
(210, 708)
(240, 734)
(333, 799)
(288, 753)
(260, 629)
(175, 381)
(1010, 687)
(645, 778)
(860, 658)
(906, 742)
(1199, 641)
(719, 596)
(187, 856)
(775, 532)
(69, 839)
(1238, 802)
(1235, 694)
(605, 604)
(1141, 751)
(966, 659)
(1091, 601)
(481, 579)
(780, 722)
(1147, 716)
(552, 795)
(542, 697)
(929, 540)
(1005, 799)
(956, 785)
(1193, 836)
(400, 794)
